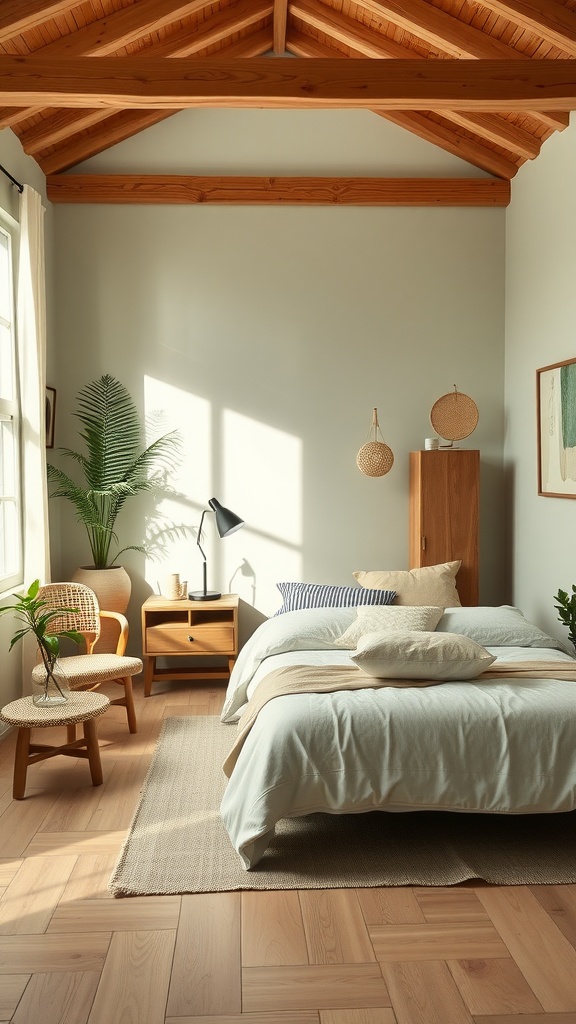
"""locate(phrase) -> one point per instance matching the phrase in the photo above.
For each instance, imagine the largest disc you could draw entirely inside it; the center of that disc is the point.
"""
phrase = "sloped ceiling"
(56, 96)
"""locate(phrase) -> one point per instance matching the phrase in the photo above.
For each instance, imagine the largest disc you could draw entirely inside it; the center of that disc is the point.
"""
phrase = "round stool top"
(78, 708)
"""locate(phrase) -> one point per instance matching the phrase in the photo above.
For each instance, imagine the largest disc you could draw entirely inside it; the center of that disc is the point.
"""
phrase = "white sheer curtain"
(31, 334)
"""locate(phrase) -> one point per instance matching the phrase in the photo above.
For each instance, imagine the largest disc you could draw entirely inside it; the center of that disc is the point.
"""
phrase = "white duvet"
(503, 746)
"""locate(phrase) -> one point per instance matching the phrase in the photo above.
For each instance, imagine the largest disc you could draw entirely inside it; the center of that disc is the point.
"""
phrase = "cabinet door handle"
(191, 638)
(423, 543)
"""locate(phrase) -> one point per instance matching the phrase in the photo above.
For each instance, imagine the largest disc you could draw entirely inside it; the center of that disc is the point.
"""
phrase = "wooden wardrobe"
(444, 513)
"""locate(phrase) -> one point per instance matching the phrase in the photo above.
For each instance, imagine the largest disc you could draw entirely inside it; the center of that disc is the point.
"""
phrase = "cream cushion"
(420, 655)
(91, 669)
(430, 585)
(373, 619)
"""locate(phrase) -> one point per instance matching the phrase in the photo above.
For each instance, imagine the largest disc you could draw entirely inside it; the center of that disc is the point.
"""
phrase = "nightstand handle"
(191, 638)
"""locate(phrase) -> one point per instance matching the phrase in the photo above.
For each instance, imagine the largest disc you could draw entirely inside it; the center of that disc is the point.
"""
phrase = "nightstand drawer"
(174, 638)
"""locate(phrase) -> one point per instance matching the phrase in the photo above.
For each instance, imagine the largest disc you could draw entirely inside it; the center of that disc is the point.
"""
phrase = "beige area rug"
(177, 842)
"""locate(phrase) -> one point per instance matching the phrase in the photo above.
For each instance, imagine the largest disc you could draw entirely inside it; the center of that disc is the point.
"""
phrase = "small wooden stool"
(80, 707)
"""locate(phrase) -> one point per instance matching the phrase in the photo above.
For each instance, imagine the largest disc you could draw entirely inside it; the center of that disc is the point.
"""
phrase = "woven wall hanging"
(454, 416)
(375, 458)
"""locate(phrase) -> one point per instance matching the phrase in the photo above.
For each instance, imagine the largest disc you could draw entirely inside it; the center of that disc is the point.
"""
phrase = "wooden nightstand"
(189, 629)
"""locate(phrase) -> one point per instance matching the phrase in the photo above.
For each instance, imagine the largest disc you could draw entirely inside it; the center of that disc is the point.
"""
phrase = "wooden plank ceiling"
(66, 106)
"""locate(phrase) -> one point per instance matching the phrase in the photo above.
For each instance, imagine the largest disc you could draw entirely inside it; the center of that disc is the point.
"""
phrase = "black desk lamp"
(226, 523)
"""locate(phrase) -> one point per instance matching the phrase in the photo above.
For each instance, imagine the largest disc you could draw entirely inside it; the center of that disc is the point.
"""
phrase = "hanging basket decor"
(375, 458)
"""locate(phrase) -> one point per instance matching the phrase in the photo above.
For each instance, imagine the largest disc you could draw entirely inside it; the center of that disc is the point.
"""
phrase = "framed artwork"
(50, 416)
(556, 401)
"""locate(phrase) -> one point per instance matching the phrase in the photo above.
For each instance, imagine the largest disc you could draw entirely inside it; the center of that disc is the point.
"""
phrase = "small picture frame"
(50, 416)
(556, 403)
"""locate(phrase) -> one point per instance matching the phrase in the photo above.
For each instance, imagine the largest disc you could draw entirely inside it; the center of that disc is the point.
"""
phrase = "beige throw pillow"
(420, 655)
(431, 585)
(376, 619)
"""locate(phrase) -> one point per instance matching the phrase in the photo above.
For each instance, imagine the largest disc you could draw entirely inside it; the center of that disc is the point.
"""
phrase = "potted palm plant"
(37, 618)
(114, 466)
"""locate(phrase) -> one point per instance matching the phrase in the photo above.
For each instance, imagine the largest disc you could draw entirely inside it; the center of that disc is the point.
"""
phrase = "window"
(10, 505)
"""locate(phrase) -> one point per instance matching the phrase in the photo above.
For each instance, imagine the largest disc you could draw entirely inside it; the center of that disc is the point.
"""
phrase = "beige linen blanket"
(328, 679)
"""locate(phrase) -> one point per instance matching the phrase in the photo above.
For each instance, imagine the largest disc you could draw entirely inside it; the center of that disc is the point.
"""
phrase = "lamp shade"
(227, 522)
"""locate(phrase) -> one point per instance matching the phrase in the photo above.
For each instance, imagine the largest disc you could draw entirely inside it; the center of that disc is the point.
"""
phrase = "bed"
(500, 741)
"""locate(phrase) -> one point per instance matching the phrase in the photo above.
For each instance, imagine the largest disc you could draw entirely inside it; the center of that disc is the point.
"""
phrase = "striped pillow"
(322, 595)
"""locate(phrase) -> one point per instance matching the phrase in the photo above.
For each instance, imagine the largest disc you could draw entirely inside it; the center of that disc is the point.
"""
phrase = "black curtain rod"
(12, 179)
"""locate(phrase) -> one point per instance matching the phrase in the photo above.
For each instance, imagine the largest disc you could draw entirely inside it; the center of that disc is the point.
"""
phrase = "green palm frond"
(115, 465)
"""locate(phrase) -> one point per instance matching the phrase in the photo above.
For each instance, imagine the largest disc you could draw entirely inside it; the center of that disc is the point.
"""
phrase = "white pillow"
(429, 585)
(420, 655)
(503, 626)
(374, 619)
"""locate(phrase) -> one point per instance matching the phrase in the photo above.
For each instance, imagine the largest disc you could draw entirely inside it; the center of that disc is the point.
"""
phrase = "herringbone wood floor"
(70, 954)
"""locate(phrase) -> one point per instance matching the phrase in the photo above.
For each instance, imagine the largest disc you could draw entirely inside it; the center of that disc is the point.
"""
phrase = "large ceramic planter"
(112, 587)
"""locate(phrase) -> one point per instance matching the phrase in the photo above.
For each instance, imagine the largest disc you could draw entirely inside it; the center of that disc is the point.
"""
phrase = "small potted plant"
(36, 617)
(566, 609)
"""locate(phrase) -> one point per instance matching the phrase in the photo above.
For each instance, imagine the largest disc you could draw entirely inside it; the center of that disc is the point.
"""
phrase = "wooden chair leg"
(21, 762)
(70, 733)
(130, 709)
(93, 749)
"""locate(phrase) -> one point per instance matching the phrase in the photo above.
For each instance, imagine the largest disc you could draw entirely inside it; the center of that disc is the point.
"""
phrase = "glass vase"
(53, 689)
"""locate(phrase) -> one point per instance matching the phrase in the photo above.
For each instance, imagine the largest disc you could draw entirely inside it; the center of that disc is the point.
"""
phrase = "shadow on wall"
(249, 618)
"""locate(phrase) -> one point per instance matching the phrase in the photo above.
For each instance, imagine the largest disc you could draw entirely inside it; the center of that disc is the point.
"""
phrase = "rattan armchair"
(90, 670)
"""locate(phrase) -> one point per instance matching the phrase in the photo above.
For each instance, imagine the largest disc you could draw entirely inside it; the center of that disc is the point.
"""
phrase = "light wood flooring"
(71, 954)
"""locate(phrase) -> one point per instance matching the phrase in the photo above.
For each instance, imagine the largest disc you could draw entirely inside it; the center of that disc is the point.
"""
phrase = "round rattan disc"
(454, 416)
(375, 458)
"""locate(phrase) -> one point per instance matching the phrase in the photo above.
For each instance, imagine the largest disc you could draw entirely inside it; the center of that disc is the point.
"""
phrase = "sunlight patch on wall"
(262, 482)
(171, 525)
(262, 469)
(253, 469)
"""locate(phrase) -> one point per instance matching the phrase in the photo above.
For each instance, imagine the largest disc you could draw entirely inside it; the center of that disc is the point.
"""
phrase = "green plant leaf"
(115, 465)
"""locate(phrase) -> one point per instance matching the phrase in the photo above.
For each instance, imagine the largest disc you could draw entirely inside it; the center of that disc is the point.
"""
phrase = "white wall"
(540, 330)
(268, 335)
(26, 171)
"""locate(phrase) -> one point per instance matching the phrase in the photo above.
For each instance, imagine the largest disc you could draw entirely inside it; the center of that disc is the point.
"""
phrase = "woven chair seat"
(82, 670)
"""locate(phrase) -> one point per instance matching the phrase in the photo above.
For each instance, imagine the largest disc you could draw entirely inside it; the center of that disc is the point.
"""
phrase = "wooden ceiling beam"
(185, 189)
(217, 29)
(552, 119)
(115, 128)
(276, 83)
(59, 126)
(441, 134)
(17, 16)
(371, 44)
(52, 130)
(345, 30)
(280, 22)
(112, 128)
(548, 19)
(13, 115)
(439, 29)
(450, 36)
(497, 130)
(128, 25)
(109, 34)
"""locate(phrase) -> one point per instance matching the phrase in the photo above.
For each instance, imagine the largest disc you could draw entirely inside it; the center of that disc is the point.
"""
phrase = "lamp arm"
(200, 534)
